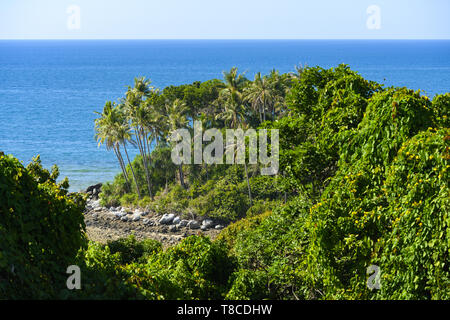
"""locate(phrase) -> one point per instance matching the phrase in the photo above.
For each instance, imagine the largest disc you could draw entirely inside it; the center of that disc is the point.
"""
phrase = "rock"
(183, 223)
(124, 218)
(146, 221)
(97, 187)
(98, 209)
(219, 227)
(173, 228)
(136, 217)
(193, 224)
(144, 213)
(167, 219)
(204, 228)
(208, 223)
(95, 204)
(94, 216)
(176, 220)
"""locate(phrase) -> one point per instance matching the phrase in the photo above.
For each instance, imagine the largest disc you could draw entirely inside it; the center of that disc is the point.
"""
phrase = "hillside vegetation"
(363, 181)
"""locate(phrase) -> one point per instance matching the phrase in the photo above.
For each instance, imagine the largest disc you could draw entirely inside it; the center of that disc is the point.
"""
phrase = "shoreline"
(106, 224)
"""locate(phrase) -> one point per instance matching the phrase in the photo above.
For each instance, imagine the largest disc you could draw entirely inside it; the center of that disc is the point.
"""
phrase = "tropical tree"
(233, 115)
(112, 130)
(175, 118)
(138, 112)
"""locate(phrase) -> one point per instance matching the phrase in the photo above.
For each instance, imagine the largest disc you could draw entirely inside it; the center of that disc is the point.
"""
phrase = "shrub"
(131, 250)
(41, 230)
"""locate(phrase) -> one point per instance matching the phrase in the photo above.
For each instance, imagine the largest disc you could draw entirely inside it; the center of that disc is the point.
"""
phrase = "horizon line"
(218, 39)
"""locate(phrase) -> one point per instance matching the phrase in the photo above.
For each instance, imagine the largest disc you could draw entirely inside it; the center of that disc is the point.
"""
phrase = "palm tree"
(264, 93)
(234, 85)
(106, 133)
(124, 135)
(138, 111)
(175, 118)
(233, 116)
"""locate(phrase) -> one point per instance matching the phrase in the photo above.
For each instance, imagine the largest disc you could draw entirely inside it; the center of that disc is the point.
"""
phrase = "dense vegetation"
(363, 180)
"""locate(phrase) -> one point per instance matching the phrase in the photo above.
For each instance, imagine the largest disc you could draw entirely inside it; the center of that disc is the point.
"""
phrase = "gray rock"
(95, 204)
(146, 221)
(193, 224)
(124, 218)
(173, 228)
(94, 216)
(208, 223)
(219, 227)
(204, 228)
(136, 218)
(167, 219)
(98, 209)
(183, 223)
(144, 213)
(176, 220)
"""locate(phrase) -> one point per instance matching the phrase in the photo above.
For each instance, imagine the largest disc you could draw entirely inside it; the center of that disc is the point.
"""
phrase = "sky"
(224, 19)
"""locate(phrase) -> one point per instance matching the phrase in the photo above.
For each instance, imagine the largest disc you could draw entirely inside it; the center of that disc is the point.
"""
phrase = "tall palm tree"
(138, 111)
(233, 116)
(234, 85)
(175, 118)
(124, 135)
(106, 133)
(264, 93)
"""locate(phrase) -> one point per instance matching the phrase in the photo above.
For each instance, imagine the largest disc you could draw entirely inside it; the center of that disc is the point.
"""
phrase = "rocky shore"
(104, 224)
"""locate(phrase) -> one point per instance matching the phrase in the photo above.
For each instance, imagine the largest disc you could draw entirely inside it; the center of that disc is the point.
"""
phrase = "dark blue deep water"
(50, 89)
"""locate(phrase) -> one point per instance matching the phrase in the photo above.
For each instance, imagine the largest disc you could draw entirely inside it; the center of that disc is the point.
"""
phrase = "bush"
(41, 230)
(131, 250)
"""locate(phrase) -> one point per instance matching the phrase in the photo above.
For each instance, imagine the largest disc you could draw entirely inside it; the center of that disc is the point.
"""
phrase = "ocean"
(49, 89)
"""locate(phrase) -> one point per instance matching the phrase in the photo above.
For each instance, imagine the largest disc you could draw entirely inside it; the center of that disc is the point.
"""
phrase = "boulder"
(176, 220)
(208, 223)
(97, 187)
(183, 223)
(193, 224)
(167, 219)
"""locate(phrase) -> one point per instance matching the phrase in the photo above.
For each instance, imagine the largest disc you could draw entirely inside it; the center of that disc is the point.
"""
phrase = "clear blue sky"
(224, 19)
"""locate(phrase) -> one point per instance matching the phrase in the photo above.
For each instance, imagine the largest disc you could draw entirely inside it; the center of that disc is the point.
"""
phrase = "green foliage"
(41, 229)
(132, 250)
(414, 252)
(363, 181)
(196, 268)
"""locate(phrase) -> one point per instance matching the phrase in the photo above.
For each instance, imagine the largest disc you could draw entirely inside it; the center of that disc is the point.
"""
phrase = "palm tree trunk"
(147, 148)
(132, 171)
(140, 136)
(180, 172)
(118, 155)
(248, 183)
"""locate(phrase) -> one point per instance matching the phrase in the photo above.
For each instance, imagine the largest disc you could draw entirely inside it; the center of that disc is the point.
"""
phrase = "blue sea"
(49, 90)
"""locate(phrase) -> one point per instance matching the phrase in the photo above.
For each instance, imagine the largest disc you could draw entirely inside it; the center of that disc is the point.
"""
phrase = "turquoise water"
(50, 89)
